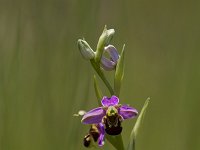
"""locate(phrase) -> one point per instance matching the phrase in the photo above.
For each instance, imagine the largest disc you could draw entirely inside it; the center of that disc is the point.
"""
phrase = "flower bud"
(104, 40)
(112, 51)
(110, 64)
(109, 35)
(107, 64)
(85, 49)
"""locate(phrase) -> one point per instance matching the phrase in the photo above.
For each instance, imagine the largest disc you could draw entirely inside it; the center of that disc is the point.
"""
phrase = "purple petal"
(107, 64)
(114, 100)
(127, 112)
(113, 52)
(102, 134)
(94, 116)
(101, 140)
(101, 128)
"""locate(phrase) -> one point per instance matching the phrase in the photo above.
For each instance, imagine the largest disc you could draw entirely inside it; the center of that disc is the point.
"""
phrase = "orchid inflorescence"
(106, 120)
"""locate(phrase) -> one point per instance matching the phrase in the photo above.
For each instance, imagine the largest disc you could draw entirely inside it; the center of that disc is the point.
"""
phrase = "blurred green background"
(44, 80)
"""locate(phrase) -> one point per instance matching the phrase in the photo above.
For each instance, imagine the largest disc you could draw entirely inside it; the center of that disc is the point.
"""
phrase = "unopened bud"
(110, 63)
(112, 51)
(85, 49)
(104, 40)
(109, 35)
(107, 64)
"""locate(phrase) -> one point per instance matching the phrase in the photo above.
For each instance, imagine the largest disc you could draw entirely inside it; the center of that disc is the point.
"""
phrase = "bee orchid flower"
(96, 134)
(105, 121)
(111, 114)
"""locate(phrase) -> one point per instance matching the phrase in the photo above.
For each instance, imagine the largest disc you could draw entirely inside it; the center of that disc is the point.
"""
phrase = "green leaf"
(134, 132)
(119, 74)
(98, 92)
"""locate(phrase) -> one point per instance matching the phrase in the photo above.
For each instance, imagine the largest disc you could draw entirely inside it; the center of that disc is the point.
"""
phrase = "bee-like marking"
(87, 140)
(112, 121)
(91, 137)
(94, 132)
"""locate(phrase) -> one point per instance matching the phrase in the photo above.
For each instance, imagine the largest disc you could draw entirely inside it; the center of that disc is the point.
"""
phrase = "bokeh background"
(44, 80)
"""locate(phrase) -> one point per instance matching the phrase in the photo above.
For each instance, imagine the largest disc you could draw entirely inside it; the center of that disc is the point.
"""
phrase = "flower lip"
(96, 134)
(87, 140)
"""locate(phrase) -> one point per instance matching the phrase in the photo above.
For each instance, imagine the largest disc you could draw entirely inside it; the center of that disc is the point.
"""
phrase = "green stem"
(120, 144)
(98, 92)
(116, 141)
(102, 76)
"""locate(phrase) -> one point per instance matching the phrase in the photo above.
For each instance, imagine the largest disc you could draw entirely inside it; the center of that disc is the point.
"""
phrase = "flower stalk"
(102, 76)
(98, 92)
(106, 119)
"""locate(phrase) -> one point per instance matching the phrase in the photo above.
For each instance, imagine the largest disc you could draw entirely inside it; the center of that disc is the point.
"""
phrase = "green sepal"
(119, 73)
(104, 40)
(134, 132)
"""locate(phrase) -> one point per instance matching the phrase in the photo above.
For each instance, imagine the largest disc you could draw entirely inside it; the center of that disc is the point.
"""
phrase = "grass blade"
(134, 132)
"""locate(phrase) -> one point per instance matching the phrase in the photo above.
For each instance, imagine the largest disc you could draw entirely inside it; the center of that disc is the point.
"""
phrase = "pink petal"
(127, 112)
(114, 100)
(94, 116)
